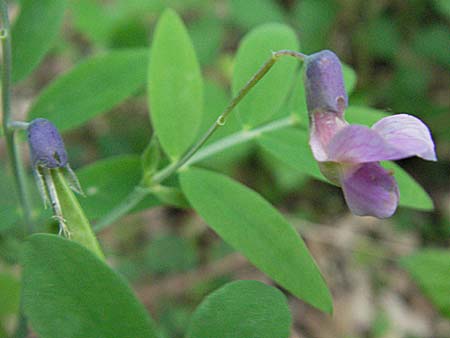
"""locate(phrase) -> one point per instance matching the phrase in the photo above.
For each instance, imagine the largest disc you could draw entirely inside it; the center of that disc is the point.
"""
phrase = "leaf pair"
(68, 292)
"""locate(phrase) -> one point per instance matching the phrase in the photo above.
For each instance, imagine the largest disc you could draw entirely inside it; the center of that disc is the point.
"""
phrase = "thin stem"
(133, 199)
(221, 120)
(18, 125)
(139, 193)
(11, 145)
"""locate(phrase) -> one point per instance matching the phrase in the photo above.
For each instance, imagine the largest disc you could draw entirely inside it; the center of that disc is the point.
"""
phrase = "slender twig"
(13, 151)
(139, 193)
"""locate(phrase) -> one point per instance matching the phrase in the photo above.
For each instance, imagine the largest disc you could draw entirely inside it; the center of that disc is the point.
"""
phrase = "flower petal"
(324, 125)
(370, 191)
(360, 144)
(407, 133)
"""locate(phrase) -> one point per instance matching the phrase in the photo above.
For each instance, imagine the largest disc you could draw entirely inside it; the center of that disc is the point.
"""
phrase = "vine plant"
(65, 278)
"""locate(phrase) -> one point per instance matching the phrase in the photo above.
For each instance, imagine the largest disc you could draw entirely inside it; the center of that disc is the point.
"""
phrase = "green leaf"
(244, 308)
(430, 268)
(175, 86)
(266, 98)
(291, 146)
(9, 294)
(253, 226)
(92, 87)
(69, 292)
(92, 20)
(107, 182)
(207, 49)
(349, 78)
(74, 217)
(363, 115)
(243, 13)
(34, 33)
(315, 20)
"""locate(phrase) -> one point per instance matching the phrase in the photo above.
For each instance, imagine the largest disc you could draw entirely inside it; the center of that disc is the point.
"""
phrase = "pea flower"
(349, 155)
(48, 153)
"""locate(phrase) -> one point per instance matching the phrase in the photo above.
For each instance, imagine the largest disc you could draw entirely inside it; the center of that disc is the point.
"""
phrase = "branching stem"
(192, 155)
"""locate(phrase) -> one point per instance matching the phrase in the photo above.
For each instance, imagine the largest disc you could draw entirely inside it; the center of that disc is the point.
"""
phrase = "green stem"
(139, 193)
(11, 145)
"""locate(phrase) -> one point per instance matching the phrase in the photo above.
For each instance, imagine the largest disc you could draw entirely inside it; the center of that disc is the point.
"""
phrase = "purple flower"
(349, 155)
(46, 145)
(48, 153)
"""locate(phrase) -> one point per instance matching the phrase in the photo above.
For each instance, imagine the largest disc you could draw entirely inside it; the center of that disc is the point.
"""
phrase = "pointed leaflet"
(74, 217)
(92, 87)
(69, 292)
(34, 33)
(175, 86)
(264, 100)
(243, 308)
(254, 227)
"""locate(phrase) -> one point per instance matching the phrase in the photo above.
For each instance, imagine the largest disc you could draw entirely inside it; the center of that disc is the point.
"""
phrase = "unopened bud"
(46, 145)
(324, 83)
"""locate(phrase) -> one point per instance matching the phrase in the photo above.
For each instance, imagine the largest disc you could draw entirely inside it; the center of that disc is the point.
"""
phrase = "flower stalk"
(8, 125)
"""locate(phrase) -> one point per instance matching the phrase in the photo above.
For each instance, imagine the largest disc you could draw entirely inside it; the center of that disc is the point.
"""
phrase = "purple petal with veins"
(360, 144)
(407, 133)
(370, 190)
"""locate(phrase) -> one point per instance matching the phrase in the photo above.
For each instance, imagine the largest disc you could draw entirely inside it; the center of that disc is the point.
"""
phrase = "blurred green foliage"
(399, 49)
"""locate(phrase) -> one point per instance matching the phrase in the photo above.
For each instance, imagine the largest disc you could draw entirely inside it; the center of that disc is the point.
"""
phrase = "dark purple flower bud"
(46, 145)
(324, 83)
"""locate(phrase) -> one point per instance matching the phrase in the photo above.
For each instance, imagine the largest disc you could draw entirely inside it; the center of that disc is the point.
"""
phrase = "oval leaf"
(430, 268)
(175, 86)
(93, 87)
(242, 309)
(34, 33)
(68, 292)
(265, 99)
(253, 226)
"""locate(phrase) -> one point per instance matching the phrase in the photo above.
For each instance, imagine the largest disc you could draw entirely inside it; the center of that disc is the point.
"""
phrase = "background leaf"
(34, 33)
(251, 225)
(242, 309)
(174, 72)
(68, 292)
(243, 13)
(9, 294)
(107, 182)
(92, 87)
(265, 99)
(430, 268)
(291, 146)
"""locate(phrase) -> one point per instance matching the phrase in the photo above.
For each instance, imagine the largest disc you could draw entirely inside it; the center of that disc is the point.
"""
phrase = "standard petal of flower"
(360, 144)
(370, 191)
(407, 133)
